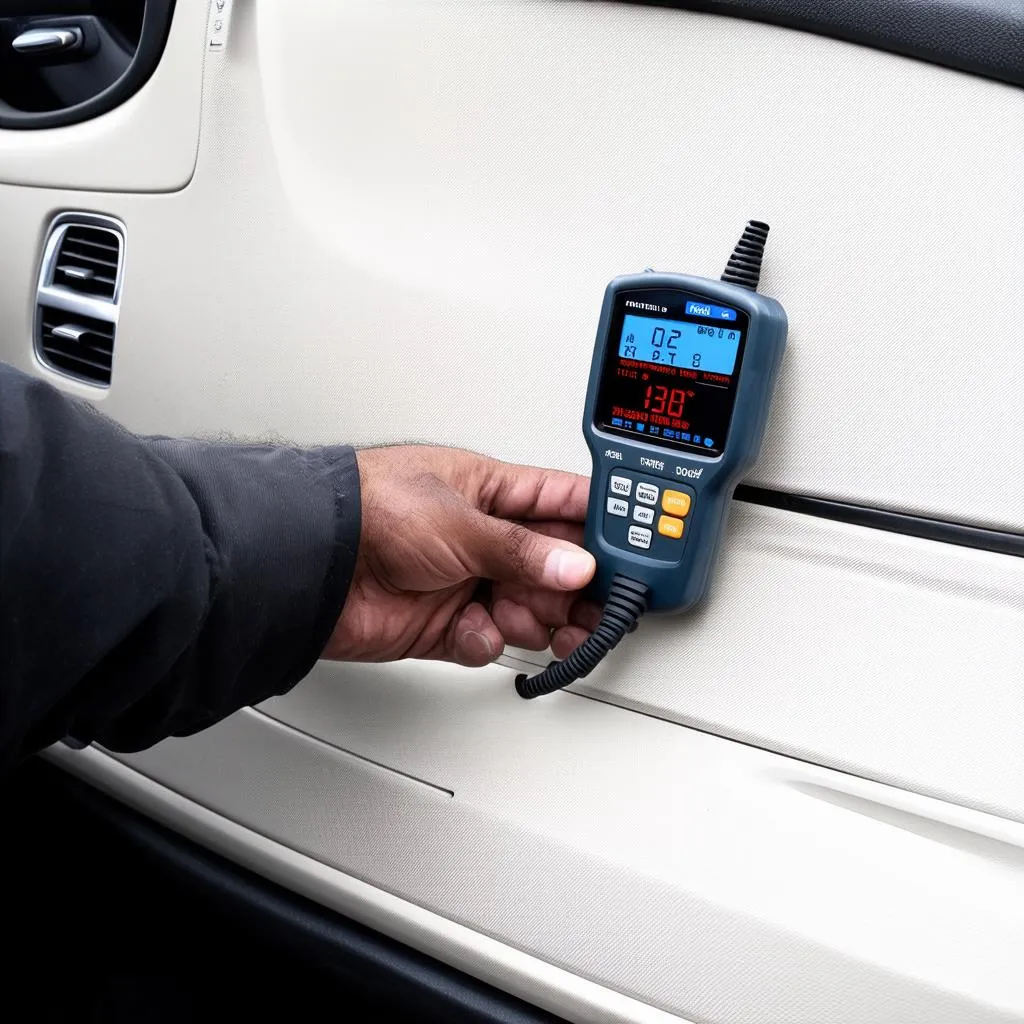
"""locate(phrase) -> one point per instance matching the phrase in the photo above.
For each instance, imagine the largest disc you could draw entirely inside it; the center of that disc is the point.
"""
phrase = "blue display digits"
(705, 347)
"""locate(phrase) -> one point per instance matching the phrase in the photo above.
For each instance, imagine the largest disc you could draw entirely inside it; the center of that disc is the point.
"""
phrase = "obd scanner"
(680, 384)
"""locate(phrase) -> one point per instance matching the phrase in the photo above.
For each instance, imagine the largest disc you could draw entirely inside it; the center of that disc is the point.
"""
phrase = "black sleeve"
(149, 587)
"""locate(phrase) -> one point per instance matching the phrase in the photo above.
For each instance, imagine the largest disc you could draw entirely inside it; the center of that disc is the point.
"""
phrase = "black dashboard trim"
(983, 37)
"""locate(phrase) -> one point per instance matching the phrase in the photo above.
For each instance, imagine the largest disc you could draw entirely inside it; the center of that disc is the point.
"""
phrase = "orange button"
(675, 503)
(669, 527)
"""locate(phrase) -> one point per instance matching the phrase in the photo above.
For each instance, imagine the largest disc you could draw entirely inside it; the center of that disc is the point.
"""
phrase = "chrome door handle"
(44, 40)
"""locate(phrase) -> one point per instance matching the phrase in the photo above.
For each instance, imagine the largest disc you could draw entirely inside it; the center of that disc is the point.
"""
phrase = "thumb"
(497, 549)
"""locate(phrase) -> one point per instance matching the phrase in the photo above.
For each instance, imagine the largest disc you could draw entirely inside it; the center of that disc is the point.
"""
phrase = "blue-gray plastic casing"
(709, 480)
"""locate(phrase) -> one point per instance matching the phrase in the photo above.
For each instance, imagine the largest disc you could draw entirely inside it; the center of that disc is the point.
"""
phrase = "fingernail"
(570, 568)
(476, 646)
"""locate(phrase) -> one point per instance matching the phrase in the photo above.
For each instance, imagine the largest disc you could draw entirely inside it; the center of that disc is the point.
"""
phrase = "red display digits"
(659, 393)
(661, 401)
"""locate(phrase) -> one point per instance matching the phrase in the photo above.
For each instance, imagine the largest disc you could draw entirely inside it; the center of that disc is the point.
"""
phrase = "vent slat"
(87, 261)
(99, 236)
(106, 332)
(89, 357)
(69, 255)
(104, 345)
(73, 239)
(49, 342)
(93, 278)
(80, 360)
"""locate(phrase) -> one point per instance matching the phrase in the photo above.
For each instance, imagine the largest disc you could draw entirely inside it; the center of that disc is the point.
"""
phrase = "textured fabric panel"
(701, 876)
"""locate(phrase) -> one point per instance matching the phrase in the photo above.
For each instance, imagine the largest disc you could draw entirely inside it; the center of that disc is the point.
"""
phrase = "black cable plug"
(744, 266)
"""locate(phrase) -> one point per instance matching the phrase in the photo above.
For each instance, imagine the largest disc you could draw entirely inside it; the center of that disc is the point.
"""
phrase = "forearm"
(151, 587)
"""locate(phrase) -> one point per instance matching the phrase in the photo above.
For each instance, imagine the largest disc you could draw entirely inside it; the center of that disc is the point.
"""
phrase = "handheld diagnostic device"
(680, 384)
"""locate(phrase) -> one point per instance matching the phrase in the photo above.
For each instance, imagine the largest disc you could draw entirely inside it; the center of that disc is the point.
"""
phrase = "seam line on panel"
(803, 758)
(280, 723)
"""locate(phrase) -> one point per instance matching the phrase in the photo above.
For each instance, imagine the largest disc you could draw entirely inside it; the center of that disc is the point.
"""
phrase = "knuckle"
(517, 546)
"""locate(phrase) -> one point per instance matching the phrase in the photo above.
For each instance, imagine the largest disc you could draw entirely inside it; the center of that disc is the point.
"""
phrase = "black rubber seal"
(980, 537)
(984, 37)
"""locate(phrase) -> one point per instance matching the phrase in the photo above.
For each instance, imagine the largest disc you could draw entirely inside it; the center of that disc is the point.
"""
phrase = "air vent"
(79, 296)
(87, 261)
(79, 346)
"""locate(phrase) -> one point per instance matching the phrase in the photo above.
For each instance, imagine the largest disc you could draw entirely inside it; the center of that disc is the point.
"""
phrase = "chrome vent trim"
(78, 296)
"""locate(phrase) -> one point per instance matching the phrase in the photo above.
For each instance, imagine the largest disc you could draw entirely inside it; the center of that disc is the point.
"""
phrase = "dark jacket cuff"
(281, 527)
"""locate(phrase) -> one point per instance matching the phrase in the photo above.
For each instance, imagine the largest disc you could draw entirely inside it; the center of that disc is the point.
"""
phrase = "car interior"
(362, 222)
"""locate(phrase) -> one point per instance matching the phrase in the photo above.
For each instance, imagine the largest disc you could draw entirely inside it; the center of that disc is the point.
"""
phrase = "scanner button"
(622, 485)
(647, 493)
(669, 527)
(643, 515)
(618, 507)
(639, 537)
(675, 503)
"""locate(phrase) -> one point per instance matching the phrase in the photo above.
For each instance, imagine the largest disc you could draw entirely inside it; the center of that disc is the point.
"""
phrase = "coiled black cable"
(627, 601)
(744, 266)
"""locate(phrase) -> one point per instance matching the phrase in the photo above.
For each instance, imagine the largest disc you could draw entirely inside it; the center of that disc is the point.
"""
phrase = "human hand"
(437, 523)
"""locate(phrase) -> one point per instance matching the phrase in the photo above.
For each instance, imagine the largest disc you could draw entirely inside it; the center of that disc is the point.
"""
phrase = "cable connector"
(627, 601)
(744, 266)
